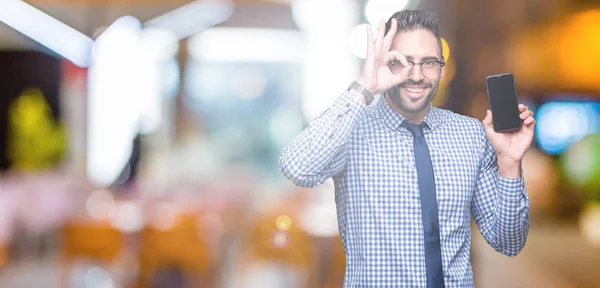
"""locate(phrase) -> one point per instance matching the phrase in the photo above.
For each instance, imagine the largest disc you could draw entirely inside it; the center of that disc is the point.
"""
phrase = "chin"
(410, 104)
(414, 106)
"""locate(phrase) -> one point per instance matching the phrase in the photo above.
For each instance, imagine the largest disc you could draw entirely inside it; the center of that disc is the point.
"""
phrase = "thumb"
(487, 121)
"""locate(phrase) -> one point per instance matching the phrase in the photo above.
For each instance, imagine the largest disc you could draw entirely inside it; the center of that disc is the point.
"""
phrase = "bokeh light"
(581, 165)
(128, 217)
(283, 222)
(589, 223)
(376, 10)
(100, 204)
(250, 83)
(280, 239)
(445, 49)
(449, 72)
(578, 36)
(163, 216)
(98, 277)
(357, 40)
(561, 123)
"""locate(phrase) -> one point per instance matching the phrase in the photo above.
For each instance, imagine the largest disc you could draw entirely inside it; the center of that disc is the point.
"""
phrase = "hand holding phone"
(502, 96)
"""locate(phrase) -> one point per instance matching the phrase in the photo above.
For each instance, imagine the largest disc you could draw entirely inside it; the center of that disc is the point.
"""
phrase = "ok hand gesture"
(376, 76)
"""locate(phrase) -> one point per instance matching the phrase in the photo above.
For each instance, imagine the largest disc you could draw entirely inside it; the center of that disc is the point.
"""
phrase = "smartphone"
(502, 97)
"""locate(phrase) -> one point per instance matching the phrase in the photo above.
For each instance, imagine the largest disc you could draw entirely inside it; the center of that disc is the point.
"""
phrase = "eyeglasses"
(427, 66)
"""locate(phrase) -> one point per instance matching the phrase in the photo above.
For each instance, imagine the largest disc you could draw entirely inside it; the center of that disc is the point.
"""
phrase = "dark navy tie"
(429, 209)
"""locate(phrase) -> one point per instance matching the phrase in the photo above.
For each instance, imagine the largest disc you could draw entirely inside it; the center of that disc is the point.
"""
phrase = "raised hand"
(511, 146)
(376, 76)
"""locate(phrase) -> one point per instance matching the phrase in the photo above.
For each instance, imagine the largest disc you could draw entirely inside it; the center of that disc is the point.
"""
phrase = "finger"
(387, 43)
(522, 108)
(402, 59)
(395, 55)
(526, 114)
(370, 44)
(488, 120)
(379, 41)
(529, 121)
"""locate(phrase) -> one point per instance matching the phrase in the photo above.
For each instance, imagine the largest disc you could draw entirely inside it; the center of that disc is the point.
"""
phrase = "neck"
(415, 118)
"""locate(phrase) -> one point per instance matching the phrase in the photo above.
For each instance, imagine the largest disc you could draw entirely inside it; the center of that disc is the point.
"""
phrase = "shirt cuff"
(347, 103)
(511, 188)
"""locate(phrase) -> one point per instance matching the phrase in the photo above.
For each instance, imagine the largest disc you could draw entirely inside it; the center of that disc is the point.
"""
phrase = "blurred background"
(139, 139)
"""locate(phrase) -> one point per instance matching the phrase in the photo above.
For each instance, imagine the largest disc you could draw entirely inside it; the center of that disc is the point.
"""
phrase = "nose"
(415, 73)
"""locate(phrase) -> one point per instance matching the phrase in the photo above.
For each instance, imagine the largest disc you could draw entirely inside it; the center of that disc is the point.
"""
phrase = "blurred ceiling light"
(194, 17)
(46, 30)
(122, 24)
(125, 92)
(328, 64)
(315, 15)
(247, 45)
(156, 47)
(376, 10)
(326, 69)
(113, 108)
(123, 33)
(158, 43)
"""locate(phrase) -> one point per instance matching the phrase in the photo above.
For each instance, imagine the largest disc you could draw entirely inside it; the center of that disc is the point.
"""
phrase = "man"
(408, 175)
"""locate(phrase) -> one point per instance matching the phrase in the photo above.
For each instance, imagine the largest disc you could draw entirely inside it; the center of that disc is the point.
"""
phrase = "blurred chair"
(175, 253)
(289, 255)
(97, 241)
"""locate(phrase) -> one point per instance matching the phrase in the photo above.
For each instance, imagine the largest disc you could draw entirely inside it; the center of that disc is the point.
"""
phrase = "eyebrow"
(426, 58)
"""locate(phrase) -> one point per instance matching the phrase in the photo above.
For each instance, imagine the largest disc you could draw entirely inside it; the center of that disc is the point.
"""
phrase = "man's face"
(415, 94)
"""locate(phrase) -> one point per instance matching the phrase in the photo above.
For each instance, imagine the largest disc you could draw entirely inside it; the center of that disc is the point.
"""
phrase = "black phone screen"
(502, 95)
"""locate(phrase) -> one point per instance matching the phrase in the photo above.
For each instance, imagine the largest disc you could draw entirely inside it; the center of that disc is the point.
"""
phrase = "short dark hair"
(409, 20)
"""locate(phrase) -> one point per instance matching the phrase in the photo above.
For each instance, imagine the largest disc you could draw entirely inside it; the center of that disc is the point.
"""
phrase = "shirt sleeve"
(500, 205)
(320, 151)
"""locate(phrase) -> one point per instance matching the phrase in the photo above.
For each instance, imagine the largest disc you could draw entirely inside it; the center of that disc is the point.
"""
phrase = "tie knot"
(415, 129)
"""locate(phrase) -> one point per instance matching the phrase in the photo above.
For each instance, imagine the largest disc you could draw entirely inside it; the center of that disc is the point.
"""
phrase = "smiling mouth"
(415, 89)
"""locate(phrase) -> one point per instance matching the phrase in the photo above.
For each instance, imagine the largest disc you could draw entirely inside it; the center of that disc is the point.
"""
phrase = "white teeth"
(415, 90)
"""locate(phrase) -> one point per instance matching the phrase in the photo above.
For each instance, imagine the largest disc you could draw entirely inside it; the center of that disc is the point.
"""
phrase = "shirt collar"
(393, 119)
